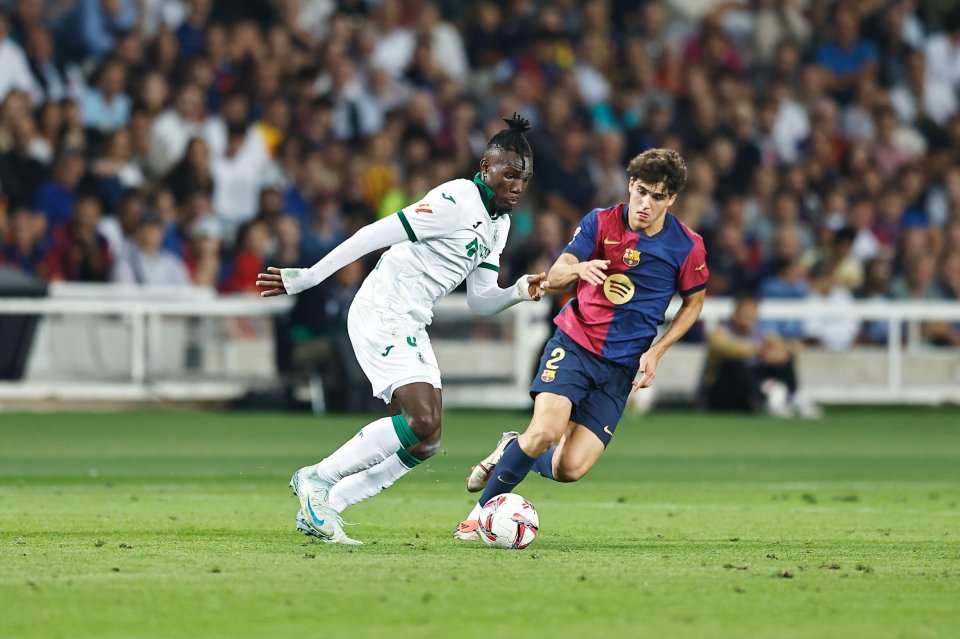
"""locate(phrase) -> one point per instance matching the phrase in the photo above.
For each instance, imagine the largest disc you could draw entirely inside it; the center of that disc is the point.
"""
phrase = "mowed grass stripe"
(159, 524)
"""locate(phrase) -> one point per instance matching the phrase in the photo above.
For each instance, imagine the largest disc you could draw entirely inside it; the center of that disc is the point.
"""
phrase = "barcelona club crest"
(631, 257)
(547, 375)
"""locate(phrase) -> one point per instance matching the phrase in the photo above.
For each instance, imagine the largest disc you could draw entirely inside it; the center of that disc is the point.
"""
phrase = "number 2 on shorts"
(555, 356)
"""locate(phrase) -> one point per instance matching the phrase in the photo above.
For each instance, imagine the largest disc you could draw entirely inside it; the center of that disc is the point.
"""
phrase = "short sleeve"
(436, 214)
(693, 273)
(584, 242)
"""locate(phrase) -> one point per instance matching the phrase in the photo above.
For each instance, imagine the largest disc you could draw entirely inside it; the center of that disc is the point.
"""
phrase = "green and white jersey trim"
(450, 234)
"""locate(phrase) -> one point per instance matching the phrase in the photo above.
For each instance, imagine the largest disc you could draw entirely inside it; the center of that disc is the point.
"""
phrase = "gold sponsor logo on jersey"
(631, 257)
(618, 288)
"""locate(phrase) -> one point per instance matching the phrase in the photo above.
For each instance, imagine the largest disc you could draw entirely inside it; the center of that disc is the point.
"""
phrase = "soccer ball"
(508, 521)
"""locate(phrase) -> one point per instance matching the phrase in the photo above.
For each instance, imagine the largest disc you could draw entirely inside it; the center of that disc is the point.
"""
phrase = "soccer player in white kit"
(456, 232)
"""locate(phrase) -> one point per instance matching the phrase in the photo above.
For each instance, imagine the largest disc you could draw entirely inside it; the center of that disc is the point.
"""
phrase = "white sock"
(367, 483)
(475, 513)
(370, 446)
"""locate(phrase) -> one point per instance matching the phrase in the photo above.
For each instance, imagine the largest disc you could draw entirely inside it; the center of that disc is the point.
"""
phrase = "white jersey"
(450, 234)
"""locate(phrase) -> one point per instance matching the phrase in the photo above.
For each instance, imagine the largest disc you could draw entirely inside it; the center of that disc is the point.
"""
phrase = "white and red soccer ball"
(508, 521)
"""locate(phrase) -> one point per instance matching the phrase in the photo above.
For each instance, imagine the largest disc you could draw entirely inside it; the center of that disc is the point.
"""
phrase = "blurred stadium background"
(156, 154)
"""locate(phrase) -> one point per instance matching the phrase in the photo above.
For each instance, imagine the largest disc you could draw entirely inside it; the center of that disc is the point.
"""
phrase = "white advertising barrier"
(127, 343)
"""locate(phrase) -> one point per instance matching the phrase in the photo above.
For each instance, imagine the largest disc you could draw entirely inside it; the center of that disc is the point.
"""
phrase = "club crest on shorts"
(631, 257)
(548, 375)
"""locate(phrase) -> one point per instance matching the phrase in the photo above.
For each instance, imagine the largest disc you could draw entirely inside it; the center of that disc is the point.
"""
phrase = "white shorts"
(393, 350)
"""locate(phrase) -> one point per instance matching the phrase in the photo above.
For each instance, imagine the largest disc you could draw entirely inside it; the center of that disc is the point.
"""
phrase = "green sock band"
(404, 434)
(407, 459)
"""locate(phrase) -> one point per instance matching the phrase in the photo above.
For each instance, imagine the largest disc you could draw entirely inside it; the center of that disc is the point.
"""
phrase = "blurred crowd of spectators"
(178, 141)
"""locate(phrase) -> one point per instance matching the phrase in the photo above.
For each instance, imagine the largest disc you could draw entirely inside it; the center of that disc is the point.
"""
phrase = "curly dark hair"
(655, 166)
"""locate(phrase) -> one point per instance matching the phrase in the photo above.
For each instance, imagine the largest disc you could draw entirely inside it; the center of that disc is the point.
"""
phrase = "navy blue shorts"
(597, 387)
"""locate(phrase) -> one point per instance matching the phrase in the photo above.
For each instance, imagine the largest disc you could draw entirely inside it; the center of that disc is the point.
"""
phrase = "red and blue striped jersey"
(619, 320)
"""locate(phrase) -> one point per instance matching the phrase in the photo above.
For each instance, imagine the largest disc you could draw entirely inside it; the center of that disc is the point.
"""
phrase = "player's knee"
(426, 449)
(570, 472)
(425, 423)
(536, 441)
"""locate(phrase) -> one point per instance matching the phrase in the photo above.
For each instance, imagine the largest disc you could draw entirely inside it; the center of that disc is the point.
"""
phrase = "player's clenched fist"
(537, 286)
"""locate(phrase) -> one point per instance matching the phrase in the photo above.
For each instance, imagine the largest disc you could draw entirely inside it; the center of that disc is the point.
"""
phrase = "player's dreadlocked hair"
(512, 138)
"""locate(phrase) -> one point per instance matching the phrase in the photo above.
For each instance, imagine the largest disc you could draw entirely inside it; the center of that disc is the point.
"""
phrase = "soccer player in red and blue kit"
(628, 261)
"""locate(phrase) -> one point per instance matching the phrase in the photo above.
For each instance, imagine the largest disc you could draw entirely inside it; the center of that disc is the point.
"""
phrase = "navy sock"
(543, 465)
(509, 471)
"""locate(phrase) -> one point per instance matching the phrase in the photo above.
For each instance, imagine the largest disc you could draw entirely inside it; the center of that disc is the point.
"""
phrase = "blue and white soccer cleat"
(315, 507)
(481, 472)
(338, 537)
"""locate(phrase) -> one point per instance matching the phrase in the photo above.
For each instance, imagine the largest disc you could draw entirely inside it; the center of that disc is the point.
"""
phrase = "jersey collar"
(486, 195)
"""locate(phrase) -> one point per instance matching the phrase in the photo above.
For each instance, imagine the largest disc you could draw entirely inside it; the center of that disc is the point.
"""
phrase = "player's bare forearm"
(685, 318)
(682, 321)
(562, 274)
(568, 270)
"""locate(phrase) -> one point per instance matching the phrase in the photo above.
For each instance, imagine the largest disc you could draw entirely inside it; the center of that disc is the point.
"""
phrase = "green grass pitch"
(180, 524)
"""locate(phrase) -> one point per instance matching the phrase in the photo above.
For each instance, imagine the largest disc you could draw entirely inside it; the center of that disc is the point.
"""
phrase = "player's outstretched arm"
(568, 270)
(485, 297)
(686, 316)
(382, 233)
